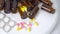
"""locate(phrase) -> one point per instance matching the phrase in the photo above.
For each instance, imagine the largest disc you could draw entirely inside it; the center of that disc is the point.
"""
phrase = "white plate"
(46, 22)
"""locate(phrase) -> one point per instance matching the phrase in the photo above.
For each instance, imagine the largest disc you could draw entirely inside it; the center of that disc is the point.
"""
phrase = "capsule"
(47, 2)
(14, 6)
(1, 4)
(48, 8)
(22, 11)
(7, 6)
(29, 29)
(33, 13)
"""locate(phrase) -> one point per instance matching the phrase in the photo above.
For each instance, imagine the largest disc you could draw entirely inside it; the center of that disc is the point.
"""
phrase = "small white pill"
(11, 23)
(2, 24)
(1, 16)
(7, 28)
(6, 19)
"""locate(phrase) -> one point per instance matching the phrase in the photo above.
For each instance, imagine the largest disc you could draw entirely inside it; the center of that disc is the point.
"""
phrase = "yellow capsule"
(36, 24)
(32, 20)
(18, 28)
(29, 29)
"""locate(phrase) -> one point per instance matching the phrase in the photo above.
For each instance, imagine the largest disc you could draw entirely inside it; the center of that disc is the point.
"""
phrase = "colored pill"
(29, 29)
(32, 20)
(36, 24)
(18, 28)
(30, 25)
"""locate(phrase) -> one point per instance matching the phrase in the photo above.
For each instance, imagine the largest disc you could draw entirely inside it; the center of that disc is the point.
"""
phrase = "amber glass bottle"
(7, 6)
(22, 10)
(1, 4)
(14, 5)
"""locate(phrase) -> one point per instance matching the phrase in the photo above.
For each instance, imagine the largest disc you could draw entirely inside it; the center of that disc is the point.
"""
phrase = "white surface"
(57, 27)
(46, 22)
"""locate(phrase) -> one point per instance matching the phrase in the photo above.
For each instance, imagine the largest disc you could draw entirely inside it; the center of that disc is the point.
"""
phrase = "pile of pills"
(25, 25)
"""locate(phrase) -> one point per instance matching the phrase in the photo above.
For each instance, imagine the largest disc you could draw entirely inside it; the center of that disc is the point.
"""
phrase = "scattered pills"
(34, 22)
(24, 25)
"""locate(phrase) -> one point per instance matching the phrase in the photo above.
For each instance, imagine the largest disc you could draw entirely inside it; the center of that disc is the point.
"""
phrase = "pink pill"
(18, 24)
(30, 25)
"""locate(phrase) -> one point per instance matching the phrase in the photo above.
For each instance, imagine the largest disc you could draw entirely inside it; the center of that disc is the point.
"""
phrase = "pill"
(2, 24)
(7, 28)
(36, 23)
(22, 25)
(6, 19)
(18, 29)
(29, 29)
(1, 16)
(30, 25)
(31, 20)
(11, 23)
